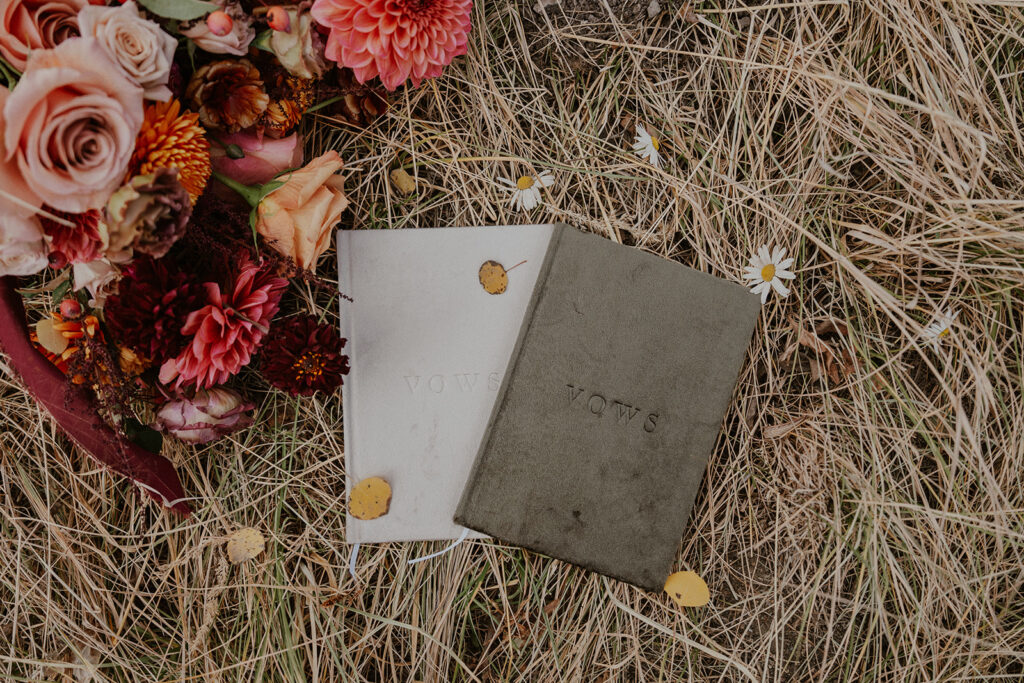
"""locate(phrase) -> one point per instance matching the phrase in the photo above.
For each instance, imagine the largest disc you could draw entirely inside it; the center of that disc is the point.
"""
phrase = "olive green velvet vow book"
(610, 406)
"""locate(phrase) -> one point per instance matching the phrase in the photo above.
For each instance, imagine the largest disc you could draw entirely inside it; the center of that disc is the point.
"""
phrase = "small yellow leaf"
(687, 589)
(402, 181)
(370, 499)
(49, 338)
(245, 544)
(493, 277)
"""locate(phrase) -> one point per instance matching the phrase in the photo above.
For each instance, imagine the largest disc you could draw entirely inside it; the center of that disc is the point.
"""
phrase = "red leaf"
(76, 411)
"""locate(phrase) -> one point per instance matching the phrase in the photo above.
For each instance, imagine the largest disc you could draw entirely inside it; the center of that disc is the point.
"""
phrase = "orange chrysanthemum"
(169, 138)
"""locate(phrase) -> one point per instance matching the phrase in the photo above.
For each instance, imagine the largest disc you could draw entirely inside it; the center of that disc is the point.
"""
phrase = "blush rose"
(27, 25)
(69, 128)
(139, 46)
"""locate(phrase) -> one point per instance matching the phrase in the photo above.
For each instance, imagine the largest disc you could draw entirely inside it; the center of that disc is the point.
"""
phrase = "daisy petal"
(779, 287)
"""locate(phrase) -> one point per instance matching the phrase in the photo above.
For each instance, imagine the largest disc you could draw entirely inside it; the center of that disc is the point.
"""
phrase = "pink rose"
(36, 25)
(212, 414)
(264, 157)
(70, 127)
(23, 247)
(139, 46)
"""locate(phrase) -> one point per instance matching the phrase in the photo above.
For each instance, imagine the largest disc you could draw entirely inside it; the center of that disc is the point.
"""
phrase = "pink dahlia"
(394, 39)
(225, 333)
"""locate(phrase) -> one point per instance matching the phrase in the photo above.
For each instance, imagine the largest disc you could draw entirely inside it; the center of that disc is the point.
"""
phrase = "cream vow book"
(428, 347)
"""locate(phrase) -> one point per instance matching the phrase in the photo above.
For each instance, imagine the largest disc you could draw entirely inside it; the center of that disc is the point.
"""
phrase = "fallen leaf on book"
(687, 589)
(370, 499)
(245, 544)
(493, 277)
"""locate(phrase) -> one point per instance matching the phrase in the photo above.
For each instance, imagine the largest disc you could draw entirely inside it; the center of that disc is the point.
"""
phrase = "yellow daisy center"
(656, 144)
(768, 272)
(944, 333)
(525, 182)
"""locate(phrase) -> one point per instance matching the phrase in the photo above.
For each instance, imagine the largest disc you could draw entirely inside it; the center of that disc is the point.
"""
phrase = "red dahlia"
(302, 356)
(152, 303)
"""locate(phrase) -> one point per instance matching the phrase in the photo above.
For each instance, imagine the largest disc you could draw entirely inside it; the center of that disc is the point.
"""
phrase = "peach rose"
(139, 46)
(296, 218)
(27, 25)
(70, 127)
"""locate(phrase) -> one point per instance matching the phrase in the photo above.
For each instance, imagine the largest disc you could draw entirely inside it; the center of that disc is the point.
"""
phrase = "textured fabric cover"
(612, 403)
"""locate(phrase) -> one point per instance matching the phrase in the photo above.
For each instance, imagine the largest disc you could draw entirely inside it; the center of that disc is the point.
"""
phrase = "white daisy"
(526, 190)
(941, 327)
(767, 271)
(647, 146)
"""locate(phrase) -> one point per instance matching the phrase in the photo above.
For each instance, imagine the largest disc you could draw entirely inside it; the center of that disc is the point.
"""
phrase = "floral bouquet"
(155, 204)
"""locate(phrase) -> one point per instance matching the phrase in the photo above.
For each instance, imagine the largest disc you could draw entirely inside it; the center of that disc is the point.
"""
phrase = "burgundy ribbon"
(76, 410)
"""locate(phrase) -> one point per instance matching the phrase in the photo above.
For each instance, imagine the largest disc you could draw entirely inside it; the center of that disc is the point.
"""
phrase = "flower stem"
(250, 194)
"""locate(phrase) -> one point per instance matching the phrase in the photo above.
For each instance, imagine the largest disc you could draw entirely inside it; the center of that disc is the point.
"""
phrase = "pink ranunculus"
(264, 157)
(70, 126)
(210, 415)
(394, 39)
(27, 25)
(23, 246)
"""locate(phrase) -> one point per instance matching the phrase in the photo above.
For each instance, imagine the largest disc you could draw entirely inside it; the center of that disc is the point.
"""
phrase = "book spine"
(347, 316)
(539, 290)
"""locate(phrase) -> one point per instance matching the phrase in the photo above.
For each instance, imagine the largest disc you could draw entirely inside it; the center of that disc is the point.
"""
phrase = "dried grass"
(870, 528)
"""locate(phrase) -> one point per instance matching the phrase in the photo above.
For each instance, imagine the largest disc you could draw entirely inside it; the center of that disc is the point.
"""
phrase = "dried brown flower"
(228, 94)
(360, 105)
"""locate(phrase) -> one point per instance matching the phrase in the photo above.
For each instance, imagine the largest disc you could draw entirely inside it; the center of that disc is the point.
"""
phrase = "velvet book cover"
(429, 346)
(614, 396)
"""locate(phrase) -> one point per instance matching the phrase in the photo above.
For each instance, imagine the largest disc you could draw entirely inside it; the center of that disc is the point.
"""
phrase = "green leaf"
(182, 10)
(62, 290)
(262, 40)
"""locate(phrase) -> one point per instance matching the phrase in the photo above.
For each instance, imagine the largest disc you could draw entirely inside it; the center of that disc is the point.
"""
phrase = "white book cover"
(428, 347)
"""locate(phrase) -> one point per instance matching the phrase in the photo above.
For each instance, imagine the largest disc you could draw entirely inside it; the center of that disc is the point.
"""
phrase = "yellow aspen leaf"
(49, 338)
(370, 499)
(403, 182)
(687, 589)
(493, 277)
(245, 544)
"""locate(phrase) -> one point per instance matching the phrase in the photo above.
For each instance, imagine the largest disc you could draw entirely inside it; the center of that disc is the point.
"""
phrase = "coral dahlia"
(169, 138)
(394, 39)
(302, 356)
(227, 330)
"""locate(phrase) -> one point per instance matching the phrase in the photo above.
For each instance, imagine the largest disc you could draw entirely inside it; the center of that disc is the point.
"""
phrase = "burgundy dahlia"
(227, 330)
(302, 356)
(149, 310)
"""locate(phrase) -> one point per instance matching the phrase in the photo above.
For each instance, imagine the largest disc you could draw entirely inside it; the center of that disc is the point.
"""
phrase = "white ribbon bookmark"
(439, 553)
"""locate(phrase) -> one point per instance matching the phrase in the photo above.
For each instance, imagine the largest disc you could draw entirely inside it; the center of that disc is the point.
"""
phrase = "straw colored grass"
(866, 526)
